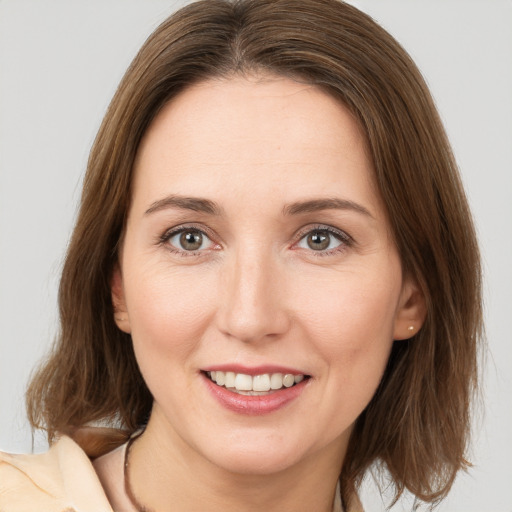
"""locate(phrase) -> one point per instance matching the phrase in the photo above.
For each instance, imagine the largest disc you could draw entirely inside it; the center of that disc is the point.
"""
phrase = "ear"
(121, 315)
(411, 312)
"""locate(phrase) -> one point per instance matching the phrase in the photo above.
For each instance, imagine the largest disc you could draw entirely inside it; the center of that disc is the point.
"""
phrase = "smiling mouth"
(254, 385)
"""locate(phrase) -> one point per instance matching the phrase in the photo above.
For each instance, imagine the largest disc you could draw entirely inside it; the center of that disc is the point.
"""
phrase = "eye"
(188, 240)
(323, 240)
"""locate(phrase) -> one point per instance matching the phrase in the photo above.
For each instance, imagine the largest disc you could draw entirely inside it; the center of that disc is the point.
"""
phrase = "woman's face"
(257, 247)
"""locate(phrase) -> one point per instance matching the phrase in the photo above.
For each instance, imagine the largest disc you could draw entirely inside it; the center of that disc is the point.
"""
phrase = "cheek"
(169, 312)
(350, 306)
(350, 322)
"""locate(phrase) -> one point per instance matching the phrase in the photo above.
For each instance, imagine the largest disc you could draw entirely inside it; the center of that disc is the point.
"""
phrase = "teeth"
(276, 381)
(230, 380)
(242, 382)
(288, 380)
(259, 383)
(220, 378)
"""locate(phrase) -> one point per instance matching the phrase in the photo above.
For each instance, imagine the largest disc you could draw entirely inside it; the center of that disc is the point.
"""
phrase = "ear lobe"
(411, 312)
(121, 316)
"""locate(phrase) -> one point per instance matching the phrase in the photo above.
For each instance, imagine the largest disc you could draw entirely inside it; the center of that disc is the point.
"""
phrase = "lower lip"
(255, 405)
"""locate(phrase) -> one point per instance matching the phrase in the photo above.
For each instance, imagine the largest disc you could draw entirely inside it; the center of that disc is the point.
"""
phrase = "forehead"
(248, 133)
(253, 104)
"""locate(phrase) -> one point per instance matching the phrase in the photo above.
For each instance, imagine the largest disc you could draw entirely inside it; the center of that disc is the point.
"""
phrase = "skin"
(256, 293)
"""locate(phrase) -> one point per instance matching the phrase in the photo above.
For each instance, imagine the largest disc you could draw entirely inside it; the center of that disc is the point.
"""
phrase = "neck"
(166, 474)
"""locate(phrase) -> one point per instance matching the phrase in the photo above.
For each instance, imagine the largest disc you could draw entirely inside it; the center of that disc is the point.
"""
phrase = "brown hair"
(417, 424)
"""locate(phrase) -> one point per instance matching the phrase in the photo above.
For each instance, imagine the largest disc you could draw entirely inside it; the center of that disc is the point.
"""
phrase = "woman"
(271, 224)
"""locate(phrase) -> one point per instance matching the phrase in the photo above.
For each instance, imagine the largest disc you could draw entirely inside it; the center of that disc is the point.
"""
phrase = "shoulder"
(60, 480)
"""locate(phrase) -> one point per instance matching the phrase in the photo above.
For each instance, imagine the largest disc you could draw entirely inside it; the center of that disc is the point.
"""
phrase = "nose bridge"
(252, 306)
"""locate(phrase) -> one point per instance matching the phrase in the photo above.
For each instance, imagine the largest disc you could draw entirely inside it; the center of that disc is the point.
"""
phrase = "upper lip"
(253, 370)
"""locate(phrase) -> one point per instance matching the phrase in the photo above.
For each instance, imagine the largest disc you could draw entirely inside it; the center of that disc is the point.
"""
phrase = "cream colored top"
(65, 480)
(60, 480)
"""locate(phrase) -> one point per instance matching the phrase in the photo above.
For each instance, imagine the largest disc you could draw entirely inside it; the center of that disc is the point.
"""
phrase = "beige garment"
(64, 480)
(60, 480)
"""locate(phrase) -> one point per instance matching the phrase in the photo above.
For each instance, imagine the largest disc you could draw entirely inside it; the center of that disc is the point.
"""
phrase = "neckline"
(337, 505)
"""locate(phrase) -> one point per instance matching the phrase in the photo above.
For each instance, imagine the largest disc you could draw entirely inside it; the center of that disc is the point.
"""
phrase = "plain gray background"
(60, 62)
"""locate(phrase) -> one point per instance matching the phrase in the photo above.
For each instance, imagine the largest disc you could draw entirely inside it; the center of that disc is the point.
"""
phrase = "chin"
(266, 454)
(256, 462)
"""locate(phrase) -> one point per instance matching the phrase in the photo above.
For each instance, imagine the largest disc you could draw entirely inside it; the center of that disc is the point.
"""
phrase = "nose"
(253, 299)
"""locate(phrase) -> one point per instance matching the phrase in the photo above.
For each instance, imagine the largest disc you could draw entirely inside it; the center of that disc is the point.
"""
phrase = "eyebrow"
(198, 204)
(315, 205)
(195, 204)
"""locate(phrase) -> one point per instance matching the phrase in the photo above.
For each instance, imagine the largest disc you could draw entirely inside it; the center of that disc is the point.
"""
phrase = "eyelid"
(175, 230)
(322, 227)
(345, 239)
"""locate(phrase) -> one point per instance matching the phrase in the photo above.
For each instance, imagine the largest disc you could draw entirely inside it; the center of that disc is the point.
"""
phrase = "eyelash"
(164, 239)
(344, 239)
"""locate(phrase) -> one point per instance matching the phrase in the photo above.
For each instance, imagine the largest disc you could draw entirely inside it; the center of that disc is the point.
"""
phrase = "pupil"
(319, 240)
(191, 240)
